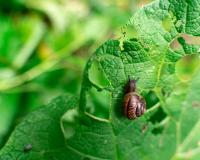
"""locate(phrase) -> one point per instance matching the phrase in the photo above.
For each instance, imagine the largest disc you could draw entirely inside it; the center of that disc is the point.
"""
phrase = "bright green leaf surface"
(148, 56)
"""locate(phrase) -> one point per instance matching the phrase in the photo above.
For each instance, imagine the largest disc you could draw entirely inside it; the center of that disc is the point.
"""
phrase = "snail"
(134, 104)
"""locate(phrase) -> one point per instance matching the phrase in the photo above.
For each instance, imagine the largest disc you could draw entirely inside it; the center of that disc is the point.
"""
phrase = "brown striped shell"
(134, 104)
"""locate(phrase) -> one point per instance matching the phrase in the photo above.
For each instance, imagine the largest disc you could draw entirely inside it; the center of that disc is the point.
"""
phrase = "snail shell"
(134, 104)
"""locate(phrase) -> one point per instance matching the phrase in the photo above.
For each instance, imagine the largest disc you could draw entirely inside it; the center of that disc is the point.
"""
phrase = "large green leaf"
(94, 138)
(145, 53)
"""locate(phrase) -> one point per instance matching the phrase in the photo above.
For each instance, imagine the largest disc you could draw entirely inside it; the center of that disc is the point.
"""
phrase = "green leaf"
(137, 140)
(146, 54)
(41, 129)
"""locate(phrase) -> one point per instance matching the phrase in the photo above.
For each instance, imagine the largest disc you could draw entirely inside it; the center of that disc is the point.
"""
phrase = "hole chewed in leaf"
(158, 130)
(98, 103)
(158, 116)
(159, 119)
(167, 23)
(69, 120)
(174, 45)
(130, 32)
(185, 41)
(151, 99)
(96, 76)
(187, 66)
(192, 40)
